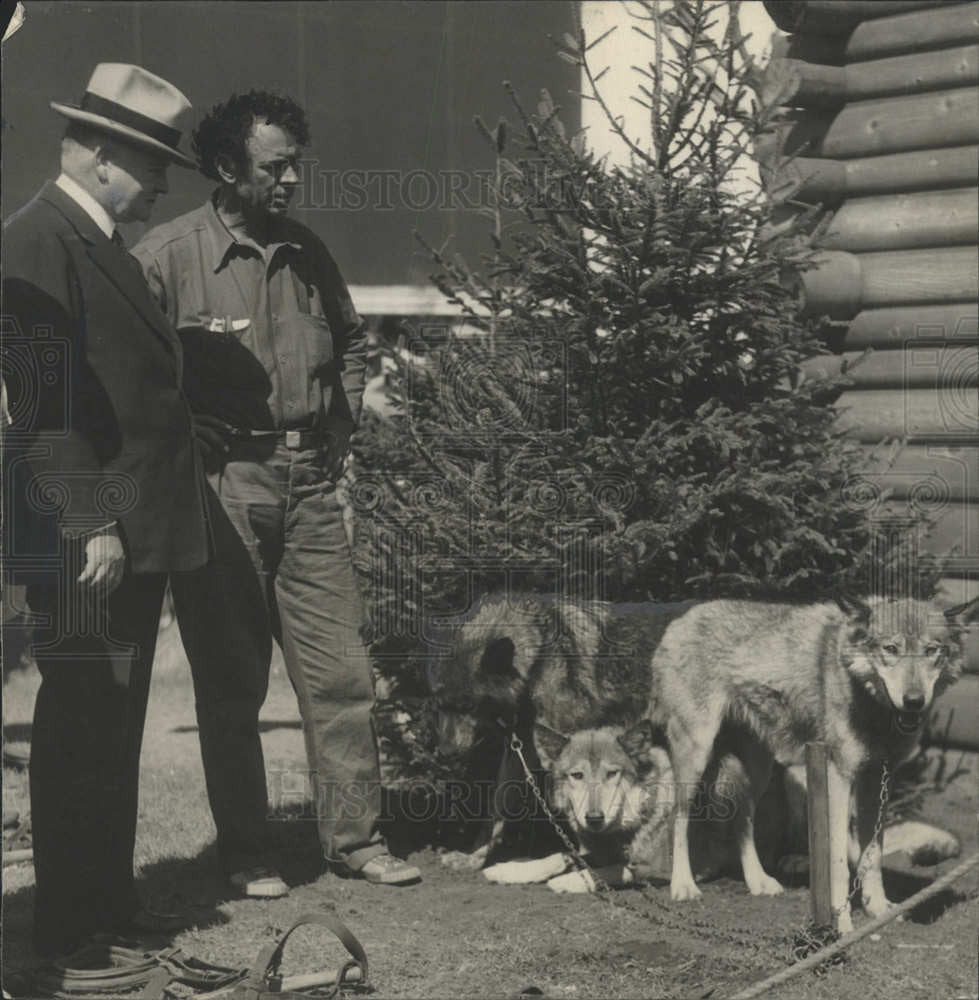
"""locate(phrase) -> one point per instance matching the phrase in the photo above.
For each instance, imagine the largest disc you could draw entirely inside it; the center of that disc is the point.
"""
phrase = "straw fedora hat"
(134, 104)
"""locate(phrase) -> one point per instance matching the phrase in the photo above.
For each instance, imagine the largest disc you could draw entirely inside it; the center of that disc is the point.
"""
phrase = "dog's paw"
(684, 890)
(844, 922)
(572, 882)
(877, 906)
(525, 872)
(765, 885)
(509, 873)
(460, 861)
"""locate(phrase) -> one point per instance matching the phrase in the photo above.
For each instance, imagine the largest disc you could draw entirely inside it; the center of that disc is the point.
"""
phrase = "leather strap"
(104, 969)
(264, 978)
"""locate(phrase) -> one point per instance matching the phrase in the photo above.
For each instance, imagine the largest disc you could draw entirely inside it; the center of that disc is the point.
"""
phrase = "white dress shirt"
(105, 222)
(87, 203)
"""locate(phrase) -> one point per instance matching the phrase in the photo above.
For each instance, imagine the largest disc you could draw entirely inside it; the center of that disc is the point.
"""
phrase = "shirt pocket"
(313, 340)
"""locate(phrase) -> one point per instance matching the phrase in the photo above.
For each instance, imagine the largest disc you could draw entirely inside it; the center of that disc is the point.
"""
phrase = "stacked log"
(881, 128)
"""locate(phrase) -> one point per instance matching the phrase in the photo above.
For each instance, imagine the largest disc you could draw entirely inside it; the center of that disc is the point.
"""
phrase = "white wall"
(626, 48)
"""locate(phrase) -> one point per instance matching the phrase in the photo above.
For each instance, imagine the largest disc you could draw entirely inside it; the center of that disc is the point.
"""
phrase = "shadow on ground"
(194, 889)
(901, 885)
(264, 726)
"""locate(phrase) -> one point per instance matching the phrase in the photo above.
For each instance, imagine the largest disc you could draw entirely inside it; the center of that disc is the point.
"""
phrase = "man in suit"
(104, 493)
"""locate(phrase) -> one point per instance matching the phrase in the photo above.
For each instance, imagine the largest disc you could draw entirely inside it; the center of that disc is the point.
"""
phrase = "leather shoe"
(382, 869)
(260, 882)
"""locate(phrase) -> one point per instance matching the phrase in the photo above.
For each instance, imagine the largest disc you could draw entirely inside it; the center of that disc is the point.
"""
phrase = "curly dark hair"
(225, 129)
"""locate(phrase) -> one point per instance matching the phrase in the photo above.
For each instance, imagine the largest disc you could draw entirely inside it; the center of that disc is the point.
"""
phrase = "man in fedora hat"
(106, 494)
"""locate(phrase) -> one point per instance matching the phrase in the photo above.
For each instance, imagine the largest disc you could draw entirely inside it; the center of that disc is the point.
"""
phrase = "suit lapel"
(110, 260)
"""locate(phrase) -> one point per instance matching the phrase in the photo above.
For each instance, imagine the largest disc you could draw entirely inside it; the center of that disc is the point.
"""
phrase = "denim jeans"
(284, 504)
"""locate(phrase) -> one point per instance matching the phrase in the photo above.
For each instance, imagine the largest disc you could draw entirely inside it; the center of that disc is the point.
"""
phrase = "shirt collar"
(87, 203)
(223, 240)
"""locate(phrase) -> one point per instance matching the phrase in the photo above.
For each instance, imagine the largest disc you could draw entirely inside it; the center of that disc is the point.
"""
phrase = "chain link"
(858, 876)
(756, 940)
(801, 939)
(516, 744)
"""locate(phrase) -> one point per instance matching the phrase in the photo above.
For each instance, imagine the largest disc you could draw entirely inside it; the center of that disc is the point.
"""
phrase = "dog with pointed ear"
(549, 743)
(639, 743)
(963, 615)
(859, 614)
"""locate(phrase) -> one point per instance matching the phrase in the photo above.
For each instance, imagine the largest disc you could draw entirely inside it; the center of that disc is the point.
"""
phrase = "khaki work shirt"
(285, 306)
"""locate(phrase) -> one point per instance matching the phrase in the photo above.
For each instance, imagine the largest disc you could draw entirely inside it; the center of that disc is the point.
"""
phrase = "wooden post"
(830, 17)
(806, 84)
(894, 325)
(817, 791)
(905, 221)
(841, 284)
(935, 27)
(811, 180)
(942, 367)
(923, 416)
(884, 125)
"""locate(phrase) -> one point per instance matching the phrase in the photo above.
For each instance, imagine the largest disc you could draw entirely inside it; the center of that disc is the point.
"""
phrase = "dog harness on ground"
(104, 970)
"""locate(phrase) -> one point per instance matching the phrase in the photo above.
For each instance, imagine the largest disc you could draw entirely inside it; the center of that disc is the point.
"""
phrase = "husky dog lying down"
(615, 789)
(521, 662)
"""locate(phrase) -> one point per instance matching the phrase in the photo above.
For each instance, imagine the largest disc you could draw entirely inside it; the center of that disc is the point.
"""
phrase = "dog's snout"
(914, 701)
(595, 820)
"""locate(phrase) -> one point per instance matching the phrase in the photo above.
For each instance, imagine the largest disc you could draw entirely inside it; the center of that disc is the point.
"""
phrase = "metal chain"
(806, 938)
(858, 876)
(516, 745)
(667, 917)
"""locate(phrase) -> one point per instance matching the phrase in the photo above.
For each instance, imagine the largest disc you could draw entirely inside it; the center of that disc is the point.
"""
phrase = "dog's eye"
(577, 775)
(933, 649)
(890, 647)
(612, 772)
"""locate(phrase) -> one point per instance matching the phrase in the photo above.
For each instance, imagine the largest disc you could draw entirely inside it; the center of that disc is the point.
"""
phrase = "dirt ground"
(456, 935)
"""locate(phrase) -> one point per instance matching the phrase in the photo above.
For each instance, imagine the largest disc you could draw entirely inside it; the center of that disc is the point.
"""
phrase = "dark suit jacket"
(101, 428)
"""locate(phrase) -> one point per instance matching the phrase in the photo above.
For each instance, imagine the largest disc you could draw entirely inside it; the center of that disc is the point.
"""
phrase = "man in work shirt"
(275, 373)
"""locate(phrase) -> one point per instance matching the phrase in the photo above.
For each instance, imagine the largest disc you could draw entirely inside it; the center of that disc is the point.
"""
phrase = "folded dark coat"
(223, 379)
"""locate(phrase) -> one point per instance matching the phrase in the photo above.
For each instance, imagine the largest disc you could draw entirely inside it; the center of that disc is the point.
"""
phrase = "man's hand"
(105, 560)
(335, 452)
(213, 436)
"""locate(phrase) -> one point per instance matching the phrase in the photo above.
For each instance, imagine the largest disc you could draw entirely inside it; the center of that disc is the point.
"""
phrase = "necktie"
(130, 260)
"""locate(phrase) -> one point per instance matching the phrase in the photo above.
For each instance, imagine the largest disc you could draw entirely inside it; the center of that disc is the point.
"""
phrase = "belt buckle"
(293, 439)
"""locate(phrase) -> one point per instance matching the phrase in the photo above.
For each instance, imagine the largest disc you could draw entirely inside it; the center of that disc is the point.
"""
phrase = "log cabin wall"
(882, 129)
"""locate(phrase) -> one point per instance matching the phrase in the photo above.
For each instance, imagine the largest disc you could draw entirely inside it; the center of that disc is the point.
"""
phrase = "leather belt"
(297, 440)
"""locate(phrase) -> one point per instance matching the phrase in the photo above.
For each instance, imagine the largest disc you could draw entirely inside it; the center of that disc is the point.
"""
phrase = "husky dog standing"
(522, 661)
(860, 678)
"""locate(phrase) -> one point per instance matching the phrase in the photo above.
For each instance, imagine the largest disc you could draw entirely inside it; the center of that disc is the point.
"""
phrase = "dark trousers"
(285, 509)
(95, 659)
(224, 626)
(94, 655)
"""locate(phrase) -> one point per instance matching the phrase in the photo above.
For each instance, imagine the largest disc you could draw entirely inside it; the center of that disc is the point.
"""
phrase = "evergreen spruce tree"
(622, 416)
